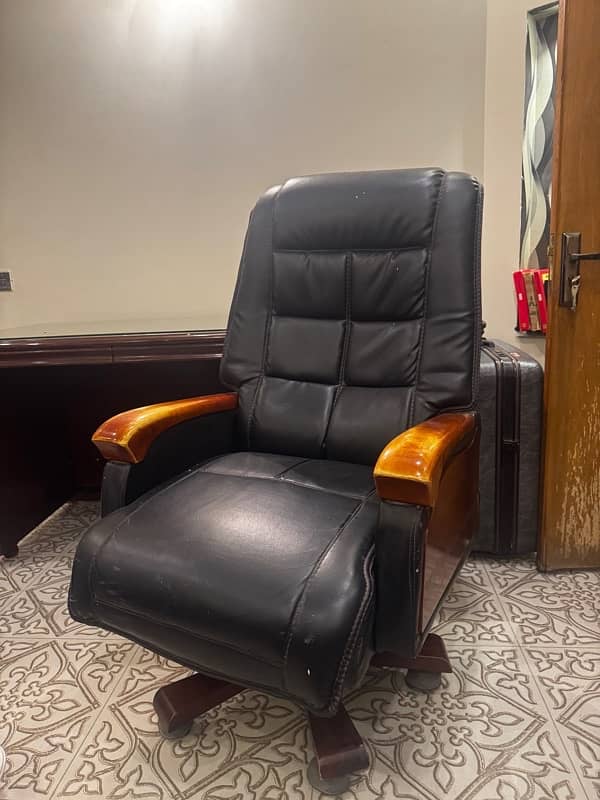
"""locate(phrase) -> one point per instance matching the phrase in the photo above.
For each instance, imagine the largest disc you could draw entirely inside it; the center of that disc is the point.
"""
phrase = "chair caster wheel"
(333, 786)
(423, 681)
(176, 733)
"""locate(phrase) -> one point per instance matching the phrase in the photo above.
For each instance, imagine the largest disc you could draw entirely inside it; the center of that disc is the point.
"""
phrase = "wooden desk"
(58, 383)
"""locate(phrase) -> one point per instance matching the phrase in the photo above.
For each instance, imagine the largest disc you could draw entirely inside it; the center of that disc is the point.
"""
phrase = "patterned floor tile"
(472, 612)
(20, 616)
(504, 572)
(518, 719)
(253, 745)
(486, 722)
(42, 611)
(50, 692)
(570, 684)
(560, 608)
(50, 601)
(26, 570)
(484, 730)
(61, 531)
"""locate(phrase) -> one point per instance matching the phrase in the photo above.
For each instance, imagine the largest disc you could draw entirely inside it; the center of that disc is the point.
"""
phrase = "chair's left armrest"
(411, 466)
(147, 446)
(127, 437)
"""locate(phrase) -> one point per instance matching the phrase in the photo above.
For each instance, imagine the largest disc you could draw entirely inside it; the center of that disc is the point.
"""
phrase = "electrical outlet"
(5, 282)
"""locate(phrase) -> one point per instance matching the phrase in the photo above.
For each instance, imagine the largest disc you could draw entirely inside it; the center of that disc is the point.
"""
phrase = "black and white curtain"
(542, 28)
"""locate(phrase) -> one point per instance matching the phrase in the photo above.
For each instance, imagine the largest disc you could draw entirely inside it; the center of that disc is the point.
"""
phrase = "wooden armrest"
(128, 436)
(410, 467)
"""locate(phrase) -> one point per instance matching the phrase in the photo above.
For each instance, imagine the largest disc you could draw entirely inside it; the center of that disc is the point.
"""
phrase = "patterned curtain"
(542, 28)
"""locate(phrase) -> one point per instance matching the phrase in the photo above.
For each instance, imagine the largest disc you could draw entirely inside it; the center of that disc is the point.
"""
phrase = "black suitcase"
(510, 403)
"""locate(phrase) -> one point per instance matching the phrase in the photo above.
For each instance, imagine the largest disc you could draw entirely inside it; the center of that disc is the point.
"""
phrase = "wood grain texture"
(35, 479)
(128, 436)
(126, 348)
(453, 523)
(570, 519)
(339, 749)
(70, 401)
(410, 467)
(178, 704)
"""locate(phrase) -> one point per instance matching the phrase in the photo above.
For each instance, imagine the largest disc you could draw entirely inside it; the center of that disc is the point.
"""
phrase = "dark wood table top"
(113, 342)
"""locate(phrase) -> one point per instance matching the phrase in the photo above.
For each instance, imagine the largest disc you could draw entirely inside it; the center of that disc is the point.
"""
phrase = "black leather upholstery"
(257, 567)
(356, 314)
(176, 450)
(401, 537)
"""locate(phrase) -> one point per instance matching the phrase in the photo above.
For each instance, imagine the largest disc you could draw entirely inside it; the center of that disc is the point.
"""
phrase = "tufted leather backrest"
(356, 312)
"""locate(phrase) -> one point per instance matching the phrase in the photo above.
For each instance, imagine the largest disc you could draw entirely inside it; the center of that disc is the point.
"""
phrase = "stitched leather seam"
(214, 673)
(338, 250)
(280, 475)
(438, 203)
(154, 494)
(234, 301)
(477, 296)
(350, 646)
(345, 345)
(411, 539)
(206, 464)
(181, 659)
(365, 321)
(391, 630)
(268, 325)
(348, 330)
(301, 602)
(174, 626)
(346, 385)
(205, 467)
(337, 492)
(411, 571)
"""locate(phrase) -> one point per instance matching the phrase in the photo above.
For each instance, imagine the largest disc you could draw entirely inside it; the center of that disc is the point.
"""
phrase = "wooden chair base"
(424, 672)
(432, 658)
(179, 703)
(339, 751)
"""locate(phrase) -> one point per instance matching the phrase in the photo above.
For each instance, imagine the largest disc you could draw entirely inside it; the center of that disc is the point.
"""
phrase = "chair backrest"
(356, 312)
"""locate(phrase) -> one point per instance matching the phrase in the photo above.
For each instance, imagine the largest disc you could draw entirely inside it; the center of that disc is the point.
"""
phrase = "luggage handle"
(484, 341)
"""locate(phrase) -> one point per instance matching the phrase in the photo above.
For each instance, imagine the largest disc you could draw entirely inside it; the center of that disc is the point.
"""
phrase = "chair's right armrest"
(427, 479)
(411, 467)
(153, 444)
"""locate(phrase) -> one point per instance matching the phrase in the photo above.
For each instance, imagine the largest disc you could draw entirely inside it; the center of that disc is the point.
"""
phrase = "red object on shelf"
(522, 309)
(540, 294)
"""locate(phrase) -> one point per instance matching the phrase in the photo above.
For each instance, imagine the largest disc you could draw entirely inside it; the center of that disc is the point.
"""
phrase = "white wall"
(136, 136)
(502, 137)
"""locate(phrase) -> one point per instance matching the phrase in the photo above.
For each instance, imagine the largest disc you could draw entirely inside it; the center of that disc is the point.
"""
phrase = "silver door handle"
(570, 279)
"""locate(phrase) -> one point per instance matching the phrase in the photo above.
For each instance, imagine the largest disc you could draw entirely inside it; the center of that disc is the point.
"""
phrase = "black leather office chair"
(289, 533)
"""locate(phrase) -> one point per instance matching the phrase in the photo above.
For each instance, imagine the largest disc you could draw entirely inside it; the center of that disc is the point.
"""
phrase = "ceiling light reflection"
(177, 16)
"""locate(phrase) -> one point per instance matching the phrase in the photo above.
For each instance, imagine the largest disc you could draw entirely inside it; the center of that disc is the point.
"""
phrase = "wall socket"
(5, 282)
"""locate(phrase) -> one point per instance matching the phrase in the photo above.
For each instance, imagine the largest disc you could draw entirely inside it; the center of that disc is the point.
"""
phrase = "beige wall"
(134, 139)
(503, 130)
(135, 136)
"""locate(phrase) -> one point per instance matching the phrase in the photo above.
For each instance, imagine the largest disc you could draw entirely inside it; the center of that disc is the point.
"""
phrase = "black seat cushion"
(253, 566)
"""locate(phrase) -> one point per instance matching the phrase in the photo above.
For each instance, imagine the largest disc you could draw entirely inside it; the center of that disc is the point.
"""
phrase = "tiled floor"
(519, 717)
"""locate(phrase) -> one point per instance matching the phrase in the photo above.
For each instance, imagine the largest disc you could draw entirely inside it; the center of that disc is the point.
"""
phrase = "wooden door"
(570, 524)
